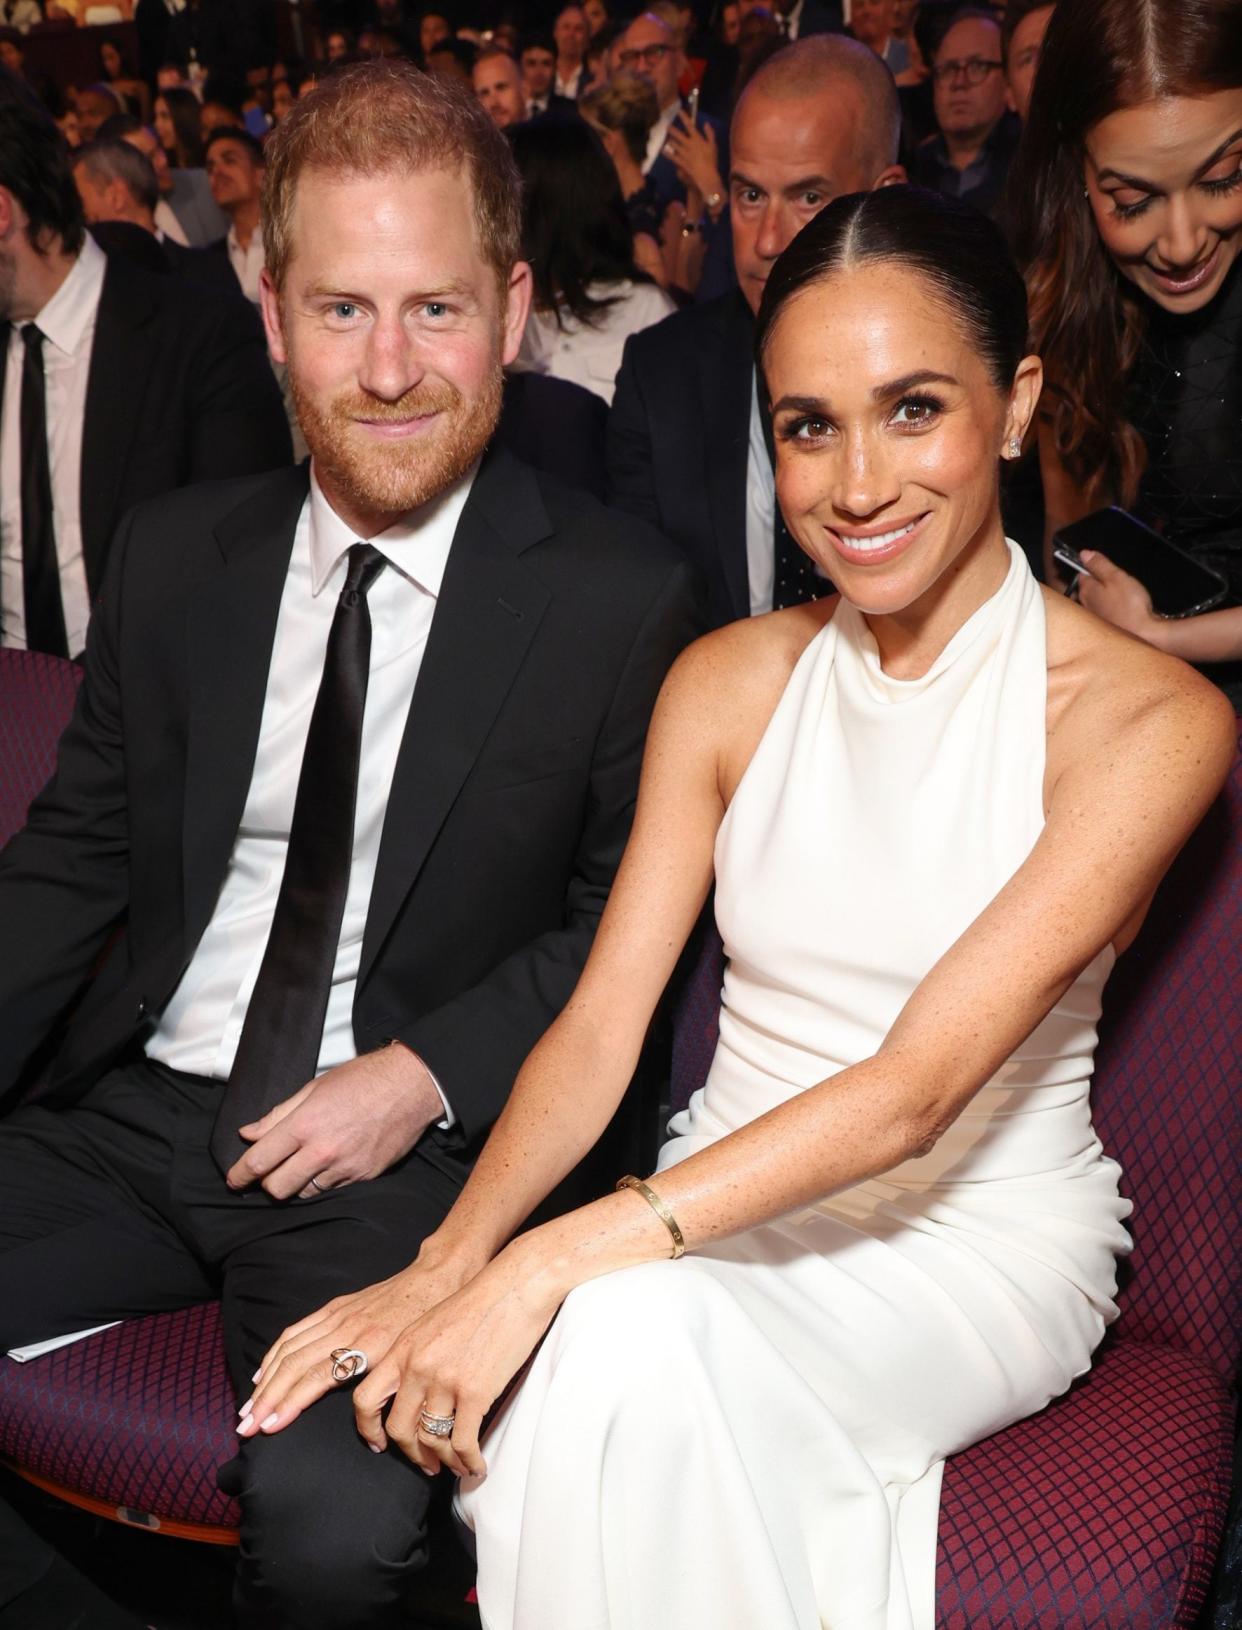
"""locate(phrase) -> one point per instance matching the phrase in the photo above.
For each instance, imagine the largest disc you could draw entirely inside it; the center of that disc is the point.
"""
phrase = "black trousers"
(113, 1207)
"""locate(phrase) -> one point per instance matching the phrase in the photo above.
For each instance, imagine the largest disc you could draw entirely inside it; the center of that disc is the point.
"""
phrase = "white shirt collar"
(417, 545)
(70, 312)
(255, 244)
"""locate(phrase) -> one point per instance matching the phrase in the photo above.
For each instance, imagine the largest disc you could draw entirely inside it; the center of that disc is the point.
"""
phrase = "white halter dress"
(752, 1438)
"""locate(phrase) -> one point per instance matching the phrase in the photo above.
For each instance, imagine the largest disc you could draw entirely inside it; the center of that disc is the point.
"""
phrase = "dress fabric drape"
(754, 1435)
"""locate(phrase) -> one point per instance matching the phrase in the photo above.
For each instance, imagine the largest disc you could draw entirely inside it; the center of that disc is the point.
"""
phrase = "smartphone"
(1179, 585)
(692, 106)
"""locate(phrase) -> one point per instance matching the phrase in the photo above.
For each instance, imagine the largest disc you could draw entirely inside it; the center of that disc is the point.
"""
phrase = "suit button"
(142, 1009)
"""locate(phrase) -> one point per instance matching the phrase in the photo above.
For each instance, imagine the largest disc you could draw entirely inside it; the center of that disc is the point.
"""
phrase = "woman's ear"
(1028, 384)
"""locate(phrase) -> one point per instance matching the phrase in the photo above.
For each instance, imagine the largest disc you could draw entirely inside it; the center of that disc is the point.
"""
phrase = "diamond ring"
(436, 1426)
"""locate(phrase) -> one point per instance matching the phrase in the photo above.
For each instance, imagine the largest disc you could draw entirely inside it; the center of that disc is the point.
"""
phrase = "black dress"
(1186, 400)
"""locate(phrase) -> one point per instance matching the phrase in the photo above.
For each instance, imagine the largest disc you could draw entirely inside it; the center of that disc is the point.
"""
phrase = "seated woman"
(935, 807)
(589, 294)
(1128, 213)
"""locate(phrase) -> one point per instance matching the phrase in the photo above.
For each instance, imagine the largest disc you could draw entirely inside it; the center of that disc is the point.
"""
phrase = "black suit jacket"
(179, 390)
(678, 436)
(821, 17)
(557, 426)
(510, 803)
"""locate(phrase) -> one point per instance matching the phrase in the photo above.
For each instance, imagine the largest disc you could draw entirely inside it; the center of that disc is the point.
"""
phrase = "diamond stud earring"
(1015, 448)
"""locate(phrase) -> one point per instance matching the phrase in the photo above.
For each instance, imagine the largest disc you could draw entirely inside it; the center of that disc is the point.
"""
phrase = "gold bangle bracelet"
(660, 1209)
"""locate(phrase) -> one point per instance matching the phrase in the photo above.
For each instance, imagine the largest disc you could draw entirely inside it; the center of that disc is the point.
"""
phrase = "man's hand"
(349, 1125)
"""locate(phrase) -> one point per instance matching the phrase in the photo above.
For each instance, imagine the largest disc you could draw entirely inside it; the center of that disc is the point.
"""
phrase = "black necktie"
(280, 1040)
(45, 615)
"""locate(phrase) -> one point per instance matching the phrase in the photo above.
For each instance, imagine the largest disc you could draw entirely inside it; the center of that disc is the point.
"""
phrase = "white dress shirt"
(168, 226)
(67, 323)
(760, 512)
(199, 1029)
(658, 135)
(571, 87)
(589, 354)
(247, 262)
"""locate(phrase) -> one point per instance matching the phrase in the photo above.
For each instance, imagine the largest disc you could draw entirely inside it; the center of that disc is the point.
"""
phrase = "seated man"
(969, 158)
(234, 161)
(354, 762)
(117, 384)
(498, 86)
(118, 187)
(688, 449)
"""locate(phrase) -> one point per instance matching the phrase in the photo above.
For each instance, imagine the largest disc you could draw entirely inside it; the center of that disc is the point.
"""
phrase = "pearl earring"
(1015, 448)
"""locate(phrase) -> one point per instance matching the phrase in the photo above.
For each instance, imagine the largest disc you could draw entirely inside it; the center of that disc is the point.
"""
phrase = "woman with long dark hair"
(1127, 194)
(935, 806)
(179, 126)
(589, 294)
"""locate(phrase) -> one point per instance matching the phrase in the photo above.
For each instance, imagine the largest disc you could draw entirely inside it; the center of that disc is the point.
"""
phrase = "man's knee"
(332, 1535)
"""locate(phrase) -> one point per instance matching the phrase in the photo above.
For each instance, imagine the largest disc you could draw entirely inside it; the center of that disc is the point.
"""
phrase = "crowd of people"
(700, 408)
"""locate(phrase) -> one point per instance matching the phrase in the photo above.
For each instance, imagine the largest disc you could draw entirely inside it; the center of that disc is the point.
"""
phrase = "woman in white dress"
(935, 806)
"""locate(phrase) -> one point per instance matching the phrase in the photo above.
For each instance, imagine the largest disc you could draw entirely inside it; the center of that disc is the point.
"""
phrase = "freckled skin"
(1137, 747)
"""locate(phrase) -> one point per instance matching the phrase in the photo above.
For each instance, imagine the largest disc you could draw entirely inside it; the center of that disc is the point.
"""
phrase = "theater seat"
(1105, 1510)
(36, 698)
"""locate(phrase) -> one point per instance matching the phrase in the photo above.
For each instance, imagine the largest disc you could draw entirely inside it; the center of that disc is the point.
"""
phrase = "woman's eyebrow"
(1140, 185)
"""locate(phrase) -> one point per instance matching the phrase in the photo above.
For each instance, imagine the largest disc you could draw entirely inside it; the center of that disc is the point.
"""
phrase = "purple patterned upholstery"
(36, 699)
(138, 1417)
(1106, 1508)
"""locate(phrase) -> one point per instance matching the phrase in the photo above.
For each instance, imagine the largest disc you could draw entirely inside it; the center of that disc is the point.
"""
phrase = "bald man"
(687, 444)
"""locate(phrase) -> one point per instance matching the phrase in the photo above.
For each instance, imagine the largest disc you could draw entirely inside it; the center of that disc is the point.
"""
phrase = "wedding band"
(348, 1363)
(317, 1185)
(436, 1426)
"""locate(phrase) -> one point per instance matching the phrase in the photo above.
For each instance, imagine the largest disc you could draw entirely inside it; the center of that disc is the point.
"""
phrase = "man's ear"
(517, 309)
(273, 320)
(8, 218)
(894, 176)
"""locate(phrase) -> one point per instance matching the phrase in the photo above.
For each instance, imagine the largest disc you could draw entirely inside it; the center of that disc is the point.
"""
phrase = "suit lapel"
(725, 380)
(489, 609)
(232, 628)
(121, 357)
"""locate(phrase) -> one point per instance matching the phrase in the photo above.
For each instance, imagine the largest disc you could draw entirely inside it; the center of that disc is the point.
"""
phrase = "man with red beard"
(353, 764)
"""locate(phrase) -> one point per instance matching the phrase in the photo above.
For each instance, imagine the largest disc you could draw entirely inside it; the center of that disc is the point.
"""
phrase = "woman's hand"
(694, 153)
(456, 1361)
(1119, 598)
(297, 1368)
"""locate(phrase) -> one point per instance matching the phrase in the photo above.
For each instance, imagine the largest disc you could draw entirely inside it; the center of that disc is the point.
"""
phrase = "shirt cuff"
(450, 1120)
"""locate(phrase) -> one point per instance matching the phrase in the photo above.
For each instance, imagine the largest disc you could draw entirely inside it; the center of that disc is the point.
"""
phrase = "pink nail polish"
(268, 1424)
(246, 1408)
(375, 1448)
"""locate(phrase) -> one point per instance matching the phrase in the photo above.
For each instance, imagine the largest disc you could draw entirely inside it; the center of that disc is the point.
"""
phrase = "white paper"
(38, 1348)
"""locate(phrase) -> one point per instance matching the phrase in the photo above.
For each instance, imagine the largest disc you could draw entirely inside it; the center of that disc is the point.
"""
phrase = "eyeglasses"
(644, 53)
(974, 70)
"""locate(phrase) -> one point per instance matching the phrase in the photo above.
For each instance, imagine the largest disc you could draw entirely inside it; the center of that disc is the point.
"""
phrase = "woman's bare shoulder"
(745, 660)
(1107, 689)
(723, 689)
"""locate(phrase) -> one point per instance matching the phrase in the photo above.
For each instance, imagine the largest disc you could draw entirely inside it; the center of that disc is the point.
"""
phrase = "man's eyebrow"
(1140, 185)
(806, 183)
(454, 289)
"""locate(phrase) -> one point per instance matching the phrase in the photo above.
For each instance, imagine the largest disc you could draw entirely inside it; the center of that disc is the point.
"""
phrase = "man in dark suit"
(354, 762)
(688, 444)
(116, 385)
(118, 189)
